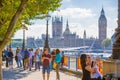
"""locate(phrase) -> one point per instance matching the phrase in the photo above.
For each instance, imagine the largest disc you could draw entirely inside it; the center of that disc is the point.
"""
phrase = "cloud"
(80, 19)
(78, 22)
(67, 0)
(78, 28)
(76, 13)
(33, 31)
(112, 24)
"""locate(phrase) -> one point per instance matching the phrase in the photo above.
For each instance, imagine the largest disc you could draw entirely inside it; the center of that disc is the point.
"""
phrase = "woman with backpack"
(58, 61)
(26, 59)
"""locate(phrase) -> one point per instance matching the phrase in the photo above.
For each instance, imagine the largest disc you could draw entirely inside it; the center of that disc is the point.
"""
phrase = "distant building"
(84, 35)
(56, 42)
(43, 36)
(39, 42)
(102, 25)
(31, 42)
(69, 38)
(64, 39)
(57, 27)
(16, 43)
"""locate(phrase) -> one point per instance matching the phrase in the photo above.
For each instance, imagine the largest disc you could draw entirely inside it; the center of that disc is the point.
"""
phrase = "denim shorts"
(46, 68)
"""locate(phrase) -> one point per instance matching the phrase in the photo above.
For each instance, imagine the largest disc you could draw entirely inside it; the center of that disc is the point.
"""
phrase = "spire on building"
(84, 35)
(67, 26)
(102, 11)
(61, 19)
(67, 30)
(102, 15)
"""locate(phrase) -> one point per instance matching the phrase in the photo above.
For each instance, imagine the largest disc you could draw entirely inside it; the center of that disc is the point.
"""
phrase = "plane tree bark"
(10, 30)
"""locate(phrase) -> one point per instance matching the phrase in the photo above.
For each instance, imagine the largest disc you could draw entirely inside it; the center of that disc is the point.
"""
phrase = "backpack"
(26, 54)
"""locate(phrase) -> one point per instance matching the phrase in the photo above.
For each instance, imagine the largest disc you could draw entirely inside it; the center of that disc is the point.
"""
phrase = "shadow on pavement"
(14, 74)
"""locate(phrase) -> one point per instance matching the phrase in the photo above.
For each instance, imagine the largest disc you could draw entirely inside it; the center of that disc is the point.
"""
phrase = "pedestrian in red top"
(46, 59)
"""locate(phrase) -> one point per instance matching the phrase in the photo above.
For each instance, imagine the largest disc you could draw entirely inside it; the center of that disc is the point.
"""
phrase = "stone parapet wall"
(111, 66)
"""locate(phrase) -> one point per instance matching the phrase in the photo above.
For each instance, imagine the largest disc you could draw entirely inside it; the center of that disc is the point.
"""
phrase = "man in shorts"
(46, 59)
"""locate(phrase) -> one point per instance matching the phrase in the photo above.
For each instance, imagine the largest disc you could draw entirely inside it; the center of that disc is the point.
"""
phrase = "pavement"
(20, 74)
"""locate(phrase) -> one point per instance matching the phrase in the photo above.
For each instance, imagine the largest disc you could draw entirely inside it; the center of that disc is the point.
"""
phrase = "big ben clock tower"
(102, 24)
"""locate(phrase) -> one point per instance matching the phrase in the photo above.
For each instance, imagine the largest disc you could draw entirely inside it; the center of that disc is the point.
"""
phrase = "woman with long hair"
(86, 63)
(57, 61)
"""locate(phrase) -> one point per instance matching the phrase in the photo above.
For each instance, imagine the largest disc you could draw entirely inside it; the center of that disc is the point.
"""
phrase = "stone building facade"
(62, 39)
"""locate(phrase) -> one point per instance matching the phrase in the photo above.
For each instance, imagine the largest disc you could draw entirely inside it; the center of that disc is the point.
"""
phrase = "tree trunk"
(10, 30)
(1, 75)
(1, 5)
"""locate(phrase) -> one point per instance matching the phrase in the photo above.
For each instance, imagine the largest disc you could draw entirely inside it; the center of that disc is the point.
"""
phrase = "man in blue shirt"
(22, 54)
(6, 56)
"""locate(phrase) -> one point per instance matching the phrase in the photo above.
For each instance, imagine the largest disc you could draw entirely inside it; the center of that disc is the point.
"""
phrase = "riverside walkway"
(20, 74)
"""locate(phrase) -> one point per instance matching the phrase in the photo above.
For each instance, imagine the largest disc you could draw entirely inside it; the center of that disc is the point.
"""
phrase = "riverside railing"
(72, 62)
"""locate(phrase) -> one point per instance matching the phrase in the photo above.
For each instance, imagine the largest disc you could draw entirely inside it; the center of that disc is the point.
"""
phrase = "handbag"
(54, 65)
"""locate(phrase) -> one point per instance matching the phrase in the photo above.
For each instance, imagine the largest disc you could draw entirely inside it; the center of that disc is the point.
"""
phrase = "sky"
(81, 15)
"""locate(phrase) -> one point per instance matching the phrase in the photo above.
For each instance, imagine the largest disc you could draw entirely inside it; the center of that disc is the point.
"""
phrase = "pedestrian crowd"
(29, 59)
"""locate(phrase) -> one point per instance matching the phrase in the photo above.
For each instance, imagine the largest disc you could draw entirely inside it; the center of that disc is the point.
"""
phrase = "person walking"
(57, 61)
(6, 56)
(10, 58)
(53, 54)
(26, 60)
(19, 58)
(46, 59)
(22, 55)
(31, 54)
(62, 60)
(37, 60)
(16, 57)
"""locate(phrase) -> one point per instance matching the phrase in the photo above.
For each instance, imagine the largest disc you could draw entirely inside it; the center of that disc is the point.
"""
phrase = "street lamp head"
(48, 17)
(24, 27)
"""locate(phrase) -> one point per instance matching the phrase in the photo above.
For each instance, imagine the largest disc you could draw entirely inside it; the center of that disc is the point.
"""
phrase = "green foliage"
(34, 8)
(106, 43)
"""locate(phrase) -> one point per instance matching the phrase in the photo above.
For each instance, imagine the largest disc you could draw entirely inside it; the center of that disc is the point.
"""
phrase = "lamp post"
(10, 45)
(46, 40)
(24, 28)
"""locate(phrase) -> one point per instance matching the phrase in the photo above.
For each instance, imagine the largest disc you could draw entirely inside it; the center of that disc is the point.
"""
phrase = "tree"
(15, 12)
(106, 43)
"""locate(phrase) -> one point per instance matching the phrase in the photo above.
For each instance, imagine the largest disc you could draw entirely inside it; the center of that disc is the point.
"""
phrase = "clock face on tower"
(104, 22)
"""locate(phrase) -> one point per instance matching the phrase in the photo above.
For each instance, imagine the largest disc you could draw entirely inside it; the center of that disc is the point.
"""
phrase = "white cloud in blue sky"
(81, 14)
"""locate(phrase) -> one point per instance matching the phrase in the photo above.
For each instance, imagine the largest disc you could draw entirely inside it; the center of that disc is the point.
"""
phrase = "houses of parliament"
(63, 39)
